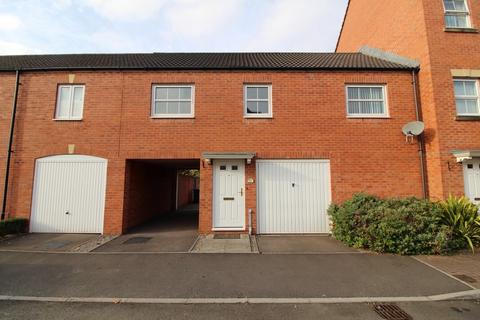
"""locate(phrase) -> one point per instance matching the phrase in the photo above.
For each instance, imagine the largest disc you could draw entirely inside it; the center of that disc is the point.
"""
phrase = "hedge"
(403, 226)
(13, 225)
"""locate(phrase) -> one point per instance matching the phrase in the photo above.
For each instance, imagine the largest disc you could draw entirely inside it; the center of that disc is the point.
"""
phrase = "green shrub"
(462, 217)
(13, 225)
(404, 226)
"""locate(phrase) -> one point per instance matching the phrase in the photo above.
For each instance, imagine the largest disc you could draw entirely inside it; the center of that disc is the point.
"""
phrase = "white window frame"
(269, 100)
(72, 90)
(172, 115)
(458, 12)
(385, 113)
(477, 86)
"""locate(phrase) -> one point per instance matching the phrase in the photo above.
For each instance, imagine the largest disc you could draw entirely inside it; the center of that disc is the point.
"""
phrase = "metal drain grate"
(391, 312)
(226, 236)
(136, 240)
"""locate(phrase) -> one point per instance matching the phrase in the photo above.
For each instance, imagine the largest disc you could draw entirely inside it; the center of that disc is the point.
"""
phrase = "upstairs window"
(366, 101)
(456, 14)
(466, 97)
(70, 102)
(258, 101)
(173, 101)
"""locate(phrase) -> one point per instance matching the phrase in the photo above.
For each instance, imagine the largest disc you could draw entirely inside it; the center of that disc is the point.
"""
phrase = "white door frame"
(476, 168)
(240, 194)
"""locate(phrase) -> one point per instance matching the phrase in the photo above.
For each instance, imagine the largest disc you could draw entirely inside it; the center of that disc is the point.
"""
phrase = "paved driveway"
(301, 244)
(173, 232)
(49, 242)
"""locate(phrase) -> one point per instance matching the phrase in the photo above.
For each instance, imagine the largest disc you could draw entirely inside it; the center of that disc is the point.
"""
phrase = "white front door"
(471, 169)
(228, 195)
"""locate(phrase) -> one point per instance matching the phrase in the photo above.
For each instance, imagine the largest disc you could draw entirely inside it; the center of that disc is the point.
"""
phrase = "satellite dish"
(414, 128)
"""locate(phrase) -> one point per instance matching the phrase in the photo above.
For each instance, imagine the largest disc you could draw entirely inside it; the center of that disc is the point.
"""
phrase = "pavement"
(445, 310)
(464, 266)
(219, 275)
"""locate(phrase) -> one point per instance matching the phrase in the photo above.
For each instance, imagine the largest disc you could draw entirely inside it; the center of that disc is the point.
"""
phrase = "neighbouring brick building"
(99, 140)
(443, 36)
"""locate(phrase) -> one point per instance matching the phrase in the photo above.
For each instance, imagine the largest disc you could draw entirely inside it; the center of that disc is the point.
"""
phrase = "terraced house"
(101, 141)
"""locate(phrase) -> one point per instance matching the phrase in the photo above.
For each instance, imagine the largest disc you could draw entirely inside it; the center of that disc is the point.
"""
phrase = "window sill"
(461, 30)
(467, 118)
(264, 117)
(172, 117)
(368, 117)
(55, 119)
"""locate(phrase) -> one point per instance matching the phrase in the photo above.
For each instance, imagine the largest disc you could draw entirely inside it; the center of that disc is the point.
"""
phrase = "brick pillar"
(206, 192)
(251, 194)
(113, 222)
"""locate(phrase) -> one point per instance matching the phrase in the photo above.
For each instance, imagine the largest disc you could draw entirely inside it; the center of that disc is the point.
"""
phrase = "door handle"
(241, 192)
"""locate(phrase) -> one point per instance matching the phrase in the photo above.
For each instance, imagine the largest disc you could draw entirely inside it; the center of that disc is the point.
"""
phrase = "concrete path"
(219, 276)
(448, 310)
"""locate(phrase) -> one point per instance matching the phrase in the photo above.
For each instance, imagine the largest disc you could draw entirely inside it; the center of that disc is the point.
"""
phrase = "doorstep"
(219, 243)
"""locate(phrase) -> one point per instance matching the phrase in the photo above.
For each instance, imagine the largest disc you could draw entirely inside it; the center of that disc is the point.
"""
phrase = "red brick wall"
(415, 29)
(149, 191)
(309, 122)
(186, 184)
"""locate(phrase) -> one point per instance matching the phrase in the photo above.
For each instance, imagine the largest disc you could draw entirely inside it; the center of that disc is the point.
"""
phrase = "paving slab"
(301, 244)
(48, 242)
(464, 266)
(219, 276)
(219, 244)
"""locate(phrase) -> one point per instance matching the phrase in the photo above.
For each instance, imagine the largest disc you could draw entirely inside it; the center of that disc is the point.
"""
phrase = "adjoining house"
(443, 36)
(101, 141)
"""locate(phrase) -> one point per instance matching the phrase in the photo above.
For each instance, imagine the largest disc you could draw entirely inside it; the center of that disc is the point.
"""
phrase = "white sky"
(80, 26)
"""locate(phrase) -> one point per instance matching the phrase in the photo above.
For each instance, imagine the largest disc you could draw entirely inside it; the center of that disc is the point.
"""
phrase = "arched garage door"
(69, 194)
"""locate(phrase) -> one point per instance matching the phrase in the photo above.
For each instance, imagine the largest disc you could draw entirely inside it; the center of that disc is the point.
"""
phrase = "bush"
(404, 226)
(13, 225)
(461, 216)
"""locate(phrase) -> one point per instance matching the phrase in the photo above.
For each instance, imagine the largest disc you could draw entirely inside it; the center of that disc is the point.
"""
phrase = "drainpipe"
(421, 140)
(10, 142)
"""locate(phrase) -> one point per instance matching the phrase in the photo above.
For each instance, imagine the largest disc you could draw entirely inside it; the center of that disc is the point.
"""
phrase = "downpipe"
(421, 140)
(10, 142)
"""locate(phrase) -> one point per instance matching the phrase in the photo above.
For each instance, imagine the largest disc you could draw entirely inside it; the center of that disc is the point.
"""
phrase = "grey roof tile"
(200, 61)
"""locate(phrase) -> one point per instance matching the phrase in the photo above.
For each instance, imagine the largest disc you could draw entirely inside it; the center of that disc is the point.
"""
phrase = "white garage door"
(69, 194)
(293, 196)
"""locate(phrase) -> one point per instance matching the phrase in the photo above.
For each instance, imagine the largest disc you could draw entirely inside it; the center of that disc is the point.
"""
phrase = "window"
(70, 102)
(366, 101)
(466, 97)
(456, 14)
(258, 101)
(173, 101)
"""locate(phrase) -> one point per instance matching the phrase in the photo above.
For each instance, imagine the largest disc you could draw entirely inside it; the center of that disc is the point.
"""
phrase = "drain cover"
(135, 240)
(226, 236)
(391, 312)
(465, 278)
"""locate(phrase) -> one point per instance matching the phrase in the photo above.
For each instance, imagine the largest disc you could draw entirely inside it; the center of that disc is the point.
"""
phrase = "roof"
(199, 61)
